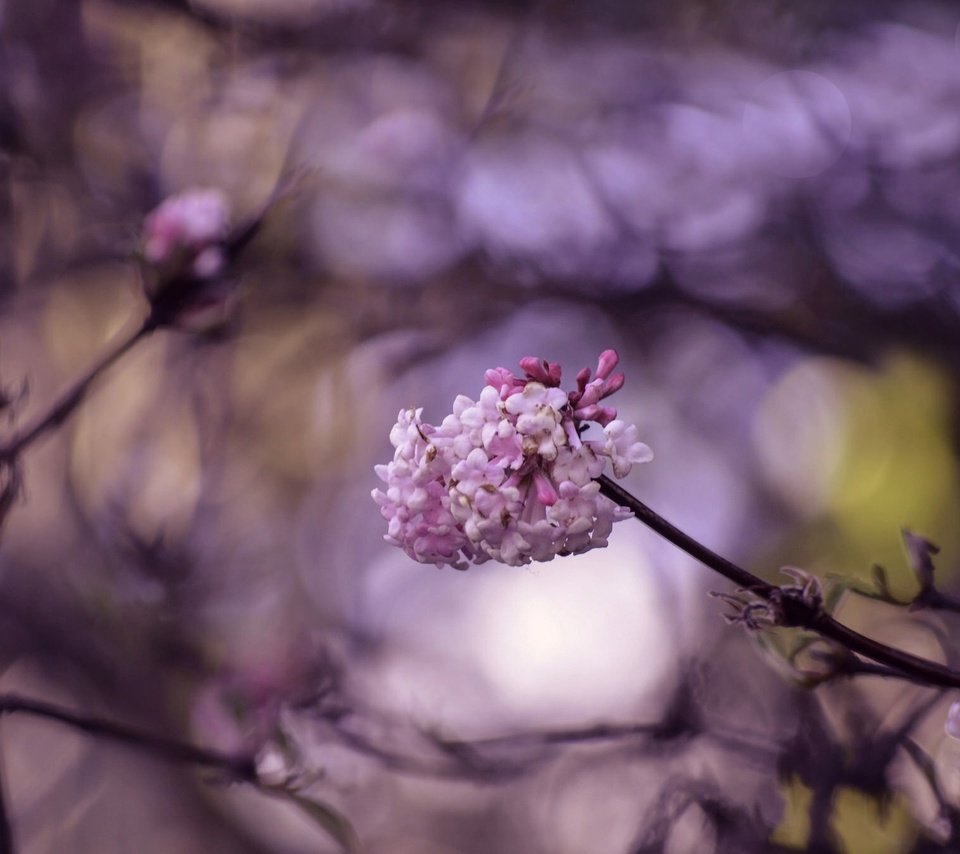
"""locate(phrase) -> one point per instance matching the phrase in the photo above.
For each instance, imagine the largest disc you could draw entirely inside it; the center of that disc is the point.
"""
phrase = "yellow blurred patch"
(283, 371)
(897, 468)
(85, 311)
(864, 828)
(794, 828)
(136, 452)
(856, 818)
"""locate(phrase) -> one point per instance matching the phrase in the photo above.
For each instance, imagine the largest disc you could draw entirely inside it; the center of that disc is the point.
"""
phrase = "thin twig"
(70, 399)
(404, 763)
(798, 611)
(239, 768)
(475, 754)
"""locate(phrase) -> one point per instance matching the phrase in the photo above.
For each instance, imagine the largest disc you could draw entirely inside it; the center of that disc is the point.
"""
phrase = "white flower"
(417, 501)
(538, 418)
(624, 448)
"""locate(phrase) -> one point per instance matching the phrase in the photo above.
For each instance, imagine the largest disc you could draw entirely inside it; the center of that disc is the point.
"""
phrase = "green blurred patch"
(872, 451)
(898, 467)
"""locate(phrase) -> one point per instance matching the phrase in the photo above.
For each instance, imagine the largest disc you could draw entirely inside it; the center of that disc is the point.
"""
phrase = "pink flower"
(508, 476)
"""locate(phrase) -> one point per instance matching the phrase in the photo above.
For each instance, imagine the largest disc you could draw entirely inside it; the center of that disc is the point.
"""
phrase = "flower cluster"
(511, 475)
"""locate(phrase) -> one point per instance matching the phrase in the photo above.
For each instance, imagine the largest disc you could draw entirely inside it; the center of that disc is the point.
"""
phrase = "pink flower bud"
(547, 373)
(615, 383)
(608, 361)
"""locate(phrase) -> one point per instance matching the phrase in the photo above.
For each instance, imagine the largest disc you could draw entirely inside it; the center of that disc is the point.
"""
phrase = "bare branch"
(70, 399)
(238, 768)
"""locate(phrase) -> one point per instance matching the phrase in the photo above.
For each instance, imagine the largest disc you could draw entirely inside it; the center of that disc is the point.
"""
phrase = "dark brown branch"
(237, 768)
(797, 611)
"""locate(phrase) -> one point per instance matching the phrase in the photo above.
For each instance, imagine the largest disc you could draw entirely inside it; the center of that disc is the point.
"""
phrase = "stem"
(68, 401)
(241, 768)
(801, 612)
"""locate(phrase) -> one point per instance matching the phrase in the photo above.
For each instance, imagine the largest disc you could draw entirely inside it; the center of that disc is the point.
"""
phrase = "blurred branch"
(788, 606)
(405, 763)
(680, 721)
(463, 759)
(920, 553)
(70, 399)
(828, 664)
(238, 768)
(435, 754)
(507, 756)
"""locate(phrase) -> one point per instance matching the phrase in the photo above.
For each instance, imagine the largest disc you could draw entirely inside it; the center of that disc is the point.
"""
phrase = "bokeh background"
(757, 203)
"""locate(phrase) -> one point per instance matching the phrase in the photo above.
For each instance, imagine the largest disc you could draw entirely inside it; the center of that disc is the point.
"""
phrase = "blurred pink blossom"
(188, 229)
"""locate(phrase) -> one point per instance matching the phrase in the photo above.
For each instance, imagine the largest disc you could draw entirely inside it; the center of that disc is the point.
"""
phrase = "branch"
(238, 768)
(70, 399)
(795, 610)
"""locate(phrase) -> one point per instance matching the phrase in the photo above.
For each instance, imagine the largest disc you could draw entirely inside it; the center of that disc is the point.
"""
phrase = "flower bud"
(186, 245)
(185, 233)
